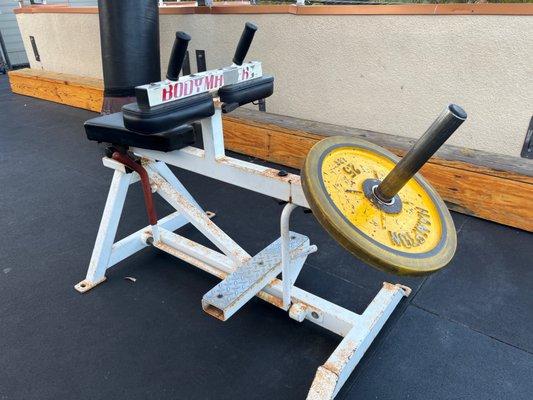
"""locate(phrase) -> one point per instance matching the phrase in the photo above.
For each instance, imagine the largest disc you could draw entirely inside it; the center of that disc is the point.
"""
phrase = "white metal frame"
(357, 330)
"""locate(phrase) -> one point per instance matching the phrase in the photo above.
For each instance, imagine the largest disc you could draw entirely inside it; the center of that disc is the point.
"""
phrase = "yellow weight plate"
(416, 238)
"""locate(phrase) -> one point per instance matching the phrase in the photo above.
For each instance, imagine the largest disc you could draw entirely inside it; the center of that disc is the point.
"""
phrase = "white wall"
(386, 73)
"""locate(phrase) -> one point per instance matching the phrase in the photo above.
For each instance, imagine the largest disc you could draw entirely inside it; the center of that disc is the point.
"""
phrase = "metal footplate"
(226, 298)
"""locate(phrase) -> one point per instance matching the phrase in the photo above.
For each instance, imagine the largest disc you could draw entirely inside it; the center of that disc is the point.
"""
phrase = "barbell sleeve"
(244, 43)
(440, 130)
(179, 49)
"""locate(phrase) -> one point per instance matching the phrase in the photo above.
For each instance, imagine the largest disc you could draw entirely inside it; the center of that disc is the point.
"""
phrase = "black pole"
(129, 38)
(4, 52)
(442, 128)
(177, 56)
(244, 43)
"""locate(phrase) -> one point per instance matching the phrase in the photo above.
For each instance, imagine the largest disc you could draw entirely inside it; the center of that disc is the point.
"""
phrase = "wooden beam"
(66, 89)
(490, 186)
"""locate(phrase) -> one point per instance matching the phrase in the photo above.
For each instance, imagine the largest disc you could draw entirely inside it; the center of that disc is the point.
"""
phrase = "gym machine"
(377, 206)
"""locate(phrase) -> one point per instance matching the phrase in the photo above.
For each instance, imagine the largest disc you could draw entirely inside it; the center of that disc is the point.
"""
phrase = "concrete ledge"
(396, 9)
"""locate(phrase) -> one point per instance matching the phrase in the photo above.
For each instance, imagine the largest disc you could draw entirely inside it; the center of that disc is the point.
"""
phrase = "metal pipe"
(179, 50)
(440, 130)
(146, 187)
(285, 254)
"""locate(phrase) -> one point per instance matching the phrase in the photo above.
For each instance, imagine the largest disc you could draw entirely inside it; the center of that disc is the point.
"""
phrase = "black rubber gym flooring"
(465, 333)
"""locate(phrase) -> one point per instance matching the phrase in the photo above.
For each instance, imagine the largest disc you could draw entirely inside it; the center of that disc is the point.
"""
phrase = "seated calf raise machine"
(380, 210)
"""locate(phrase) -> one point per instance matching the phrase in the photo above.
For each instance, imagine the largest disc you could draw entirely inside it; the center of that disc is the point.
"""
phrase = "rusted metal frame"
(253, 177)
(105, 252)
(162, 169)
(167, 174)
(199, 219)
(243, 174)
(313, 308)
(358, 330)
(137, 240)
(196, 254)
(327, 315)
(106, 232)
(331, 376)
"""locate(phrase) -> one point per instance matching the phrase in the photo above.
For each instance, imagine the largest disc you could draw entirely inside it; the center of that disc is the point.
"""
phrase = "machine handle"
(244, 43)
(179, 49)
(440, 130)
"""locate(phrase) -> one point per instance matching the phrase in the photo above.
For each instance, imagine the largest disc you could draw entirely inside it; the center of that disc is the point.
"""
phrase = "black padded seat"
(110, 129)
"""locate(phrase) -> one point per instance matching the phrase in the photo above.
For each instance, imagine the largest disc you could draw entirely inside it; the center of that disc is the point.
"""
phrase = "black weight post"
(179, 51)
(129, 37)
(244, 43)
(440, 130)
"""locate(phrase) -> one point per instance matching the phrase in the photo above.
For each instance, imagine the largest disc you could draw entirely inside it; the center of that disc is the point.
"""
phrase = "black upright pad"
(167, 116)
(243, 93)
(110, 129)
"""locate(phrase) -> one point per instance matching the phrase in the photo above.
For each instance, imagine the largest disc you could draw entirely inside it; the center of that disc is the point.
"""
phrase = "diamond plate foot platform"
(226, 298)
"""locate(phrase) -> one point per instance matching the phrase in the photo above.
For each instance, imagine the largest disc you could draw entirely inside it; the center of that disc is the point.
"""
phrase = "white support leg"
(331, 376)
(106, 232)
(106, 253)
(213, 135)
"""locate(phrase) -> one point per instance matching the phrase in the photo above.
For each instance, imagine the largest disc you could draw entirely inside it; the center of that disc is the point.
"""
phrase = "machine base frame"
(358, 330)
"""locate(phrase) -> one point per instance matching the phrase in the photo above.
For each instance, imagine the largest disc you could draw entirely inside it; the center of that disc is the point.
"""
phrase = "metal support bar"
(285, 255)
(106, 232)
(200, 220)
(213, 162)
(194, 253)
(333, 374)
(131, 244)
(212, 136)
(243, 174)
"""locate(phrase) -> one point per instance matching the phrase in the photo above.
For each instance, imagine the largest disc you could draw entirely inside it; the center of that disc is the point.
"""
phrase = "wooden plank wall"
(491, 188)
(486, 185)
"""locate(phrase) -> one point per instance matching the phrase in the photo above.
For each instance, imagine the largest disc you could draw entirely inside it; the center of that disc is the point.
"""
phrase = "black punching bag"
(129, 38)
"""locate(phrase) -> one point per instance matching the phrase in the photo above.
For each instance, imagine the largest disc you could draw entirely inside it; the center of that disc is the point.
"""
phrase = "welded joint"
(301, 311)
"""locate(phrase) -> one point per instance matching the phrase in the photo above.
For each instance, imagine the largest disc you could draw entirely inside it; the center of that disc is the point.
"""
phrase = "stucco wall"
(386, 73)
